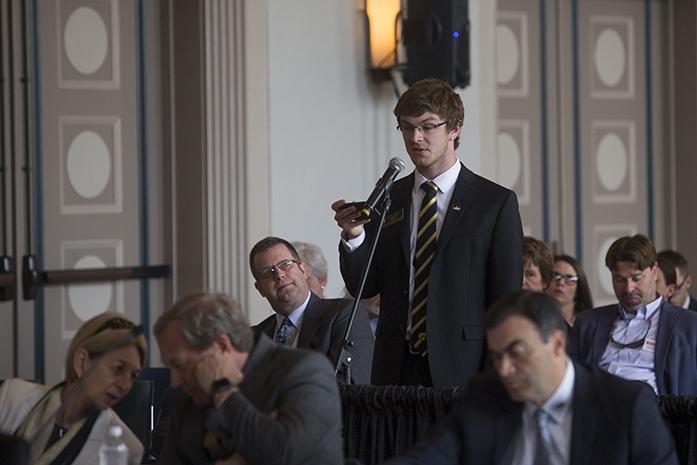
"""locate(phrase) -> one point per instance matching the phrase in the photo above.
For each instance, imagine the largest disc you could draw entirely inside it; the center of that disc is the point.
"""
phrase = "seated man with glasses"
(302, 319)
(645, 337)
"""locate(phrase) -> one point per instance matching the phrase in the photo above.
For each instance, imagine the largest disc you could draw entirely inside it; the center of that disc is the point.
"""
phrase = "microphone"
(383, 185)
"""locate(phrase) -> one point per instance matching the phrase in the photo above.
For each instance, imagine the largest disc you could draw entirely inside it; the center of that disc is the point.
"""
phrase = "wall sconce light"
(382, 21)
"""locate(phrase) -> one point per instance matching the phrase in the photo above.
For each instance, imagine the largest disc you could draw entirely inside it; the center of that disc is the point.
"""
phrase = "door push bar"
(33, 278)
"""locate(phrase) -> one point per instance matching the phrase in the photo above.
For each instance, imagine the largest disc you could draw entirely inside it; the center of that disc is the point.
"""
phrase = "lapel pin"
(456, 208)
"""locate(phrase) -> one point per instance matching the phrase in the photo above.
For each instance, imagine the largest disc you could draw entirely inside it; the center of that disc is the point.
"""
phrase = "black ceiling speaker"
(436, 35)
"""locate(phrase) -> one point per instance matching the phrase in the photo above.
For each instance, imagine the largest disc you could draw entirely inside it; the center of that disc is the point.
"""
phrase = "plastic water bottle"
(113, 451)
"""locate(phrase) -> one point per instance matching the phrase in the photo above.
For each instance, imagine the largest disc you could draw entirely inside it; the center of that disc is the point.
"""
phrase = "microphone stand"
(345, 358)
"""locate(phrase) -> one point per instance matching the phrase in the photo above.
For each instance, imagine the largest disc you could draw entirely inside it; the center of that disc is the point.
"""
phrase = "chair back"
(136, 410)
(160, 377)
(13, 451)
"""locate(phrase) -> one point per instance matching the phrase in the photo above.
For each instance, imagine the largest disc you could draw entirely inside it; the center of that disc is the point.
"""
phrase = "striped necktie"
(423, 257)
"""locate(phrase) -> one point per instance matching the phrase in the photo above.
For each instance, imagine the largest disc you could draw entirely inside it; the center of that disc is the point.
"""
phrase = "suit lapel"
(585, 417)
(462, 194)
(507, 426)
(666, 324)
(602, 334)
(311, 322)
(401, 200)
(268, 326)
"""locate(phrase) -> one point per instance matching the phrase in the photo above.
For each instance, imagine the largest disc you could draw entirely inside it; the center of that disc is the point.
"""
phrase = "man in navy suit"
(542, 408)
(677, 279)
(644, 337)
(302, 319)
(433, 294)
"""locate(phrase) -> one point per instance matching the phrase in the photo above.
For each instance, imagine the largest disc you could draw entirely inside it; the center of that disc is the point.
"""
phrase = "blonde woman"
(67, 423)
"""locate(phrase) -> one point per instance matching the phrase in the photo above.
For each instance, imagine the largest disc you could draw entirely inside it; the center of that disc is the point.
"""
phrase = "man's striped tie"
(423, 257)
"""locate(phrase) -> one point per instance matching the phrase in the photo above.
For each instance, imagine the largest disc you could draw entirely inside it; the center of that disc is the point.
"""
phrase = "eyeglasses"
(678, 287)
(568, 278)
(634, 344)
(423, 128)
(116, 323)
(270, 271)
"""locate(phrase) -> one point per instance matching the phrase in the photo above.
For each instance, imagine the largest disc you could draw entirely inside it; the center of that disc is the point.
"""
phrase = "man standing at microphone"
(451, 245)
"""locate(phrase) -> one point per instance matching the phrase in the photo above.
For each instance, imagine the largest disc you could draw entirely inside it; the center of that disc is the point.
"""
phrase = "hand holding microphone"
(352, 216)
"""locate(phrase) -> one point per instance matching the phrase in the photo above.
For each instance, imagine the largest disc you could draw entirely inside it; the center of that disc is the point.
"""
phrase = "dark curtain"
(680, 414)
(381, 421)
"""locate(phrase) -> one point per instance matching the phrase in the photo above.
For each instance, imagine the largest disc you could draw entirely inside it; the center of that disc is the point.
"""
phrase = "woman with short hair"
(67, 423)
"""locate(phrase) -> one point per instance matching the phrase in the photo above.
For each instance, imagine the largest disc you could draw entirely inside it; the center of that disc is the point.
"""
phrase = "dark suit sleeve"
(307, 415)
(169, 453)
(650, 442)
(505, 261)
(351, 264)
(362, 338)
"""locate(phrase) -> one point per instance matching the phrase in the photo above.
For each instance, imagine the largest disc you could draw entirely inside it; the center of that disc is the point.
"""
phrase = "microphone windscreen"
(397, 163)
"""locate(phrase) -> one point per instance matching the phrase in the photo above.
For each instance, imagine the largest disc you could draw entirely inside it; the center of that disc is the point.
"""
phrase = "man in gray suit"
(243, 399)
(302, 319)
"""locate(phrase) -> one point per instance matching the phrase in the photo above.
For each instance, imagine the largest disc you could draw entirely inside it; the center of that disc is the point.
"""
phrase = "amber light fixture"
(382, 20)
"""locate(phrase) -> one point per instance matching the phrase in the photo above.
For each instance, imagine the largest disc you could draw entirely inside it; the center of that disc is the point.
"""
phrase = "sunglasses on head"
(116, 323)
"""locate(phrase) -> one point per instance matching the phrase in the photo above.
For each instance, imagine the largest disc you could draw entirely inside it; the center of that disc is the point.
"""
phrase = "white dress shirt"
(560, 409)
(634, 363)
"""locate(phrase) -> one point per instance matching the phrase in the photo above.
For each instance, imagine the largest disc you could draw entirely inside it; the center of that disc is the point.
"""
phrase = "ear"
(454, 132)
(688, 281)
(559, 340)
(670, 291)
(303, 269)
(223, 343)
(81, 362)
(259, 288)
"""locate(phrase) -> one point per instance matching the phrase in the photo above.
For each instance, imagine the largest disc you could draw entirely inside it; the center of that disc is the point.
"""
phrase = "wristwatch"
(220, 385)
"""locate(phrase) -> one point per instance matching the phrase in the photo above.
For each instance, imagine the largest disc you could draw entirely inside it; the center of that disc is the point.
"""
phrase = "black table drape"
(381, 421)
(680, 414)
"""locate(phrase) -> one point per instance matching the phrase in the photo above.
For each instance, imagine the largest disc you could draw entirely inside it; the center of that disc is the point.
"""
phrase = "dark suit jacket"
(298, 386)
(323, 326)
(478, 260)
(615, 422)
(675, 359)
(693, 304)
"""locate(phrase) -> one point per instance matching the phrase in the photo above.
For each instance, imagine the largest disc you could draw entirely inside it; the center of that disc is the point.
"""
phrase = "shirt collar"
(445, 181)
(296, 315)
(560, 400)
(644, 312)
